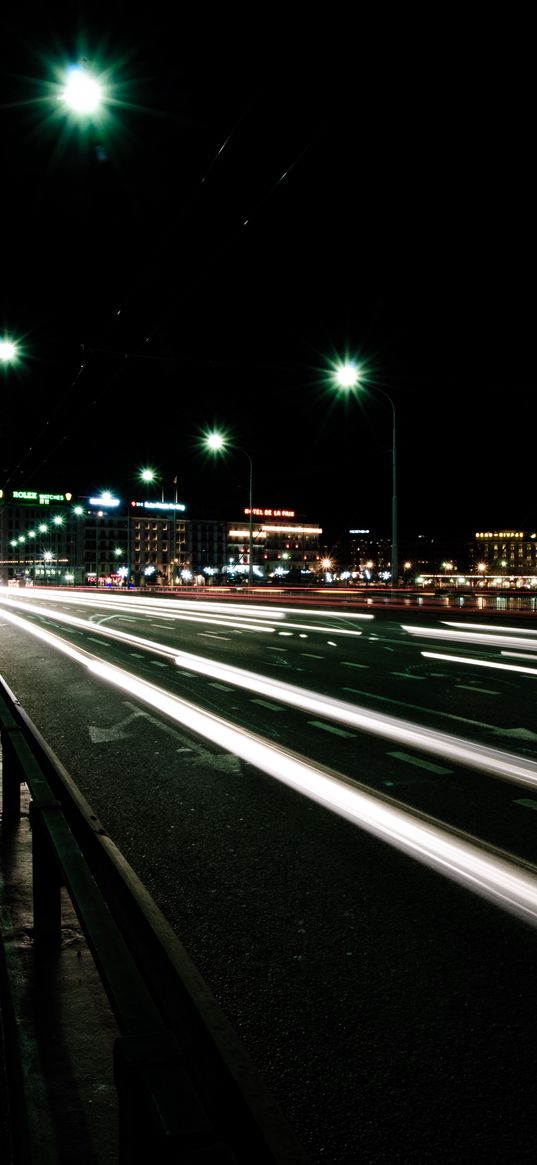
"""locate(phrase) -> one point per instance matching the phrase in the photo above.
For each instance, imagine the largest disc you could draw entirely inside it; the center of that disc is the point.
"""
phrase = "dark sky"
(262, 200)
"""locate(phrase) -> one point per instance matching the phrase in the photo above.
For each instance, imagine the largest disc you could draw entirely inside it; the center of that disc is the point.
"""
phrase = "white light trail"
(497, 763)
(470, 637)
(491, 663)
(490, 627)
(494, 877)
(238, 615)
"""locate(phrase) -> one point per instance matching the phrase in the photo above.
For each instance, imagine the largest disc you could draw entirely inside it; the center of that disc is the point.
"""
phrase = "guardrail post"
(11, 777)
(161, 1116)
(46, 881)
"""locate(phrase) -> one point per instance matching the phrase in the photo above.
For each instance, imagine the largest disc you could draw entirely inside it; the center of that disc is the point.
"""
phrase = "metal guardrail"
(187, 1090)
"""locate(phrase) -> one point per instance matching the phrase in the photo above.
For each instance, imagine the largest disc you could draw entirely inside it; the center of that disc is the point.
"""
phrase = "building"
(362, 555)
(503, 554)
(158, 542)
(39, 536)
(54, 539)
(281, 546)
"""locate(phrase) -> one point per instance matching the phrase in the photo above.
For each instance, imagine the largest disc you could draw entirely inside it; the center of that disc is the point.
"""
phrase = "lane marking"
(308, 655)
(473, 688)
(349, 663)
(222, 687)
(421, 764)
(331, 728)
(212, 635)
(405, 676)
(268, 704)
(526, 802)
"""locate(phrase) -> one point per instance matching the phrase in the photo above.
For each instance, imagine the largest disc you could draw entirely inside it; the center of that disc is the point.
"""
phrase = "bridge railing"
(186, 1088)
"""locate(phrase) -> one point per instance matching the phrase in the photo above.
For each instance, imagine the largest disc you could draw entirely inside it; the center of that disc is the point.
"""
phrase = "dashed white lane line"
(158, 663)
(349, 663)
(309, 655)
(527, 802)
(284, 649)
(212, 635)
(420, 764)
(471, 688)
(331, 728)
(403, 675)
(269, 704)
(221, 687)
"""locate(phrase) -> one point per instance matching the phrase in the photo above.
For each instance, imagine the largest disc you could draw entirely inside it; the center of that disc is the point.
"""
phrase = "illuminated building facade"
(280, 545)
(157, 541)
(50, 538)
(362, 553)
(504, 553)
(39, 535)
(56, 539)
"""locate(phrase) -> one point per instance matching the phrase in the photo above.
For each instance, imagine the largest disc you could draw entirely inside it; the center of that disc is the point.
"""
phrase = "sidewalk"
(6, 1144)
(58, 1032)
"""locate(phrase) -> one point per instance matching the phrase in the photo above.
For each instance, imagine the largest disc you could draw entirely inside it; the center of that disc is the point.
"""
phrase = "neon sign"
(501, 534)
(34, 495)
(105, 499)
(159, 505)
(271, 513)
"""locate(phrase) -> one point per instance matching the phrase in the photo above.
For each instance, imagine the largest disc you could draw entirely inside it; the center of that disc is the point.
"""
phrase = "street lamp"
(8, 351)
(82, 93)
(47, 557)
(348, 376)
(217, 443)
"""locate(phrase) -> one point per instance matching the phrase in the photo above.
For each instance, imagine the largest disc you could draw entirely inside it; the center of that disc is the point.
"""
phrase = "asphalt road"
(388, 1006)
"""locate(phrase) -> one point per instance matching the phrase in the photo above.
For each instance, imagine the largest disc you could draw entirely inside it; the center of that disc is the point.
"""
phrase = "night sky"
(260, 201)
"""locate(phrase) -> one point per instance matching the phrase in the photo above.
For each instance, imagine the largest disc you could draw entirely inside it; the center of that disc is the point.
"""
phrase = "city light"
(8, 351)
(82, 93)
(348, 377)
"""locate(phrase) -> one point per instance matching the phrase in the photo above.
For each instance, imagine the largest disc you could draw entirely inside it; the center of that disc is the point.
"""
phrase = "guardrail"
(187, 1090)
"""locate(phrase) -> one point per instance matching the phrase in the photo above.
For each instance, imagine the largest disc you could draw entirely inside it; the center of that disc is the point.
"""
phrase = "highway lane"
(373, 665)
(386, 1006)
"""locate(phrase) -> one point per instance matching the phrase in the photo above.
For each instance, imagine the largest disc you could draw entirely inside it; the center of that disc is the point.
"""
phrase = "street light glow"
(215, 441)
(8, 351)
(348, 375)
(82, 92)
(148, 475)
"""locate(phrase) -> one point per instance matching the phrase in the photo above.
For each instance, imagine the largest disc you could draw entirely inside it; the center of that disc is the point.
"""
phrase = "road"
(313, 797)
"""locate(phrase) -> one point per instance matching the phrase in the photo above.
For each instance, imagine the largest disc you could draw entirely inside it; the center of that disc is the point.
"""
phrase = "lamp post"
(216, 443)
(149, 476)
(348, 376)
